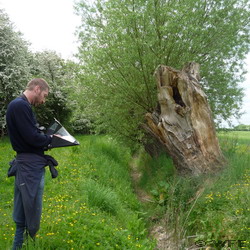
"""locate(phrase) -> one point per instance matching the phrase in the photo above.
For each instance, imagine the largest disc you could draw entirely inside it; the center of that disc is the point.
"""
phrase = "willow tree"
(182, 122)
(122, 42)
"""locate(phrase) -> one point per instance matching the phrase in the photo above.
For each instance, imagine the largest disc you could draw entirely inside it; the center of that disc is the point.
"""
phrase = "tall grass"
(90, 205)
(208, 209)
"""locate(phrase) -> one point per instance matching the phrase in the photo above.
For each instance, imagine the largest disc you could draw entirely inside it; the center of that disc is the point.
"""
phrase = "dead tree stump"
(183, 124)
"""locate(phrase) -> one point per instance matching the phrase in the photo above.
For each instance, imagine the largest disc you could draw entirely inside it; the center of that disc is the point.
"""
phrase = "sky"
(46, 24)
(51, 25)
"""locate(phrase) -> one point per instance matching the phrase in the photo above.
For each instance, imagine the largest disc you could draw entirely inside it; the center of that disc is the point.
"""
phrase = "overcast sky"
(51, 24)
(47, 24)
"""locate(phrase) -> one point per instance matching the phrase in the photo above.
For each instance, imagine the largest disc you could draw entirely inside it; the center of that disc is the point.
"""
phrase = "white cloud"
(47, 24)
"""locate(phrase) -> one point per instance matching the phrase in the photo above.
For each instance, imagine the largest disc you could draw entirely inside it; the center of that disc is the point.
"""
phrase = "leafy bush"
(14, 65)
(81, 125)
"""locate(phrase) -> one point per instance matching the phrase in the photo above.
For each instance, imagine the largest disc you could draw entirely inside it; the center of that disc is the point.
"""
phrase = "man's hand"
(58, 135)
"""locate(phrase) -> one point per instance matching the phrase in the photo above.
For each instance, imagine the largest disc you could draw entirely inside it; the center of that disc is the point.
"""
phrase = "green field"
(93, 205)
(240, 137)
(90, 205)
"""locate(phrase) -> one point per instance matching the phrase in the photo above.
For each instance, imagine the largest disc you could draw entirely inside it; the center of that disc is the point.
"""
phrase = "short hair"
(38, 82)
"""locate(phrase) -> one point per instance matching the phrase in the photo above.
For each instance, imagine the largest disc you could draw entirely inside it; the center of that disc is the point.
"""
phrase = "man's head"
(36, 91)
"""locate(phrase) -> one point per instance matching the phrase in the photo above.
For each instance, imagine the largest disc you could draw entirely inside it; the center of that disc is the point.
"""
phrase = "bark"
(183, 122)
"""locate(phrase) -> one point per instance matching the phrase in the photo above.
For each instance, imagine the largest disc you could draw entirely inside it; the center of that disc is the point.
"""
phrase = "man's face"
(40, 96)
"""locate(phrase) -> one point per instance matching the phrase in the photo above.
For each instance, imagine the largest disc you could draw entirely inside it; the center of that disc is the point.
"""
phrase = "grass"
(90, 205)
(209, 209)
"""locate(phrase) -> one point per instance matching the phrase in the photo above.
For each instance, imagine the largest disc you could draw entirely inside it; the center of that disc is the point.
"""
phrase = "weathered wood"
(184, 123)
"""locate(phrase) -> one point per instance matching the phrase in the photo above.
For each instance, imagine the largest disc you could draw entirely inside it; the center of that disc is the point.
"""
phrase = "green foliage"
(14, 65)
(91, 204)
(81, 125)
(122, 42)
(170, 191)
(155, 171)
(79, 122)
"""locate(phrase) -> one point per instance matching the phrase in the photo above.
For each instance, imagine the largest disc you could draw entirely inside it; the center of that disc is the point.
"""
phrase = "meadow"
(90, 205)
(93, 205)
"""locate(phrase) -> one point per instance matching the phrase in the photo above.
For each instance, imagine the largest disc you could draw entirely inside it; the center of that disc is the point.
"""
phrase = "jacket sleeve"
(26, 126)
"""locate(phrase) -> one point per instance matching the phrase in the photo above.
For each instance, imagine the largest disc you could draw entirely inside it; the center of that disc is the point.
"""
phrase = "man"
(28, 166)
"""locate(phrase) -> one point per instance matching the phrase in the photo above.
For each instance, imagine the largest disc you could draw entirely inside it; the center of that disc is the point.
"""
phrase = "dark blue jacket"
(24, 135)
(28, 166)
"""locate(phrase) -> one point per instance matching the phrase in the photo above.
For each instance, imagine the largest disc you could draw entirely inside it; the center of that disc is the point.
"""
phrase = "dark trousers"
(19, 215)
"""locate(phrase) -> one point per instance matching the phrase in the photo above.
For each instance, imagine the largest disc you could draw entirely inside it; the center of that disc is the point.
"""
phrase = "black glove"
(51, 162)
(53, 171)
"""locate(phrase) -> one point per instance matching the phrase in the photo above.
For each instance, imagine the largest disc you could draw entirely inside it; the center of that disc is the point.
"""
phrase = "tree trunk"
(183, 121)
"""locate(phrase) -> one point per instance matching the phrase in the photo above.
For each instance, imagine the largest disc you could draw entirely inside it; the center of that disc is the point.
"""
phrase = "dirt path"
(159, 229)
(142, 195)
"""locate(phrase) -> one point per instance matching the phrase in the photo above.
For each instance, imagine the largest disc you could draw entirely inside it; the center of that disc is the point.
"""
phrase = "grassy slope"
(207, 208)
(223, 211)
(90, 205)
